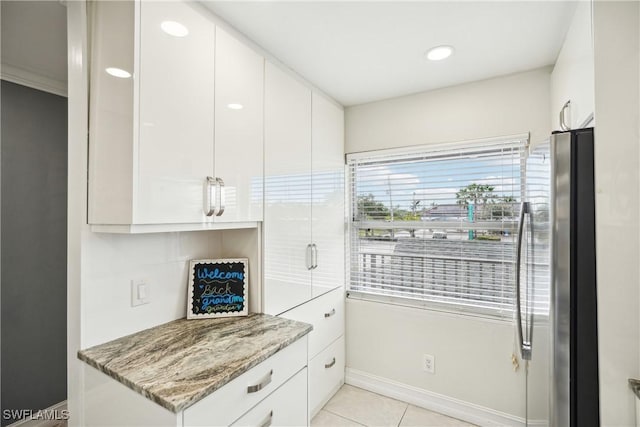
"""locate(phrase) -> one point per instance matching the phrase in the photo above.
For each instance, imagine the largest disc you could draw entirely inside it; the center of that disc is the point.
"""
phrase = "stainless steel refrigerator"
(556, 246)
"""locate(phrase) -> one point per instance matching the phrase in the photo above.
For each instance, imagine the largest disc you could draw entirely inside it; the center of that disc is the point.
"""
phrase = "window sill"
(457, 310)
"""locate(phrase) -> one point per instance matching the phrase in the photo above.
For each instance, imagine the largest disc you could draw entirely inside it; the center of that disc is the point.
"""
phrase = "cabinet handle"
(331, 313)
(308, 258)
(563, 116)
(221, 198)
(267, 421)
(314, 256)
(330, 365)
(210, 185)
(265, 381)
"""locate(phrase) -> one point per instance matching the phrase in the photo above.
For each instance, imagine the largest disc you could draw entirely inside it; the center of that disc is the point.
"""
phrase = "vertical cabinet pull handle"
(267, 421)
(221, 193)
(331, 313)
(262, 384)
(309, 257)
(563, 116)
(330, 364)
(314, 256)
(210, 187)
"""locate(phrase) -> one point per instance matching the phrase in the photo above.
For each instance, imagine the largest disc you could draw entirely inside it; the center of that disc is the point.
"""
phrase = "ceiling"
(355, 51)
(363, 51)
(34, 37)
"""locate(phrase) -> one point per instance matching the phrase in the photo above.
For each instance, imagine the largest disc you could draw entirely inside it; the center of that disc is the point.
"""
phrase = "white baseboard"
(57, 408)
(446, 405)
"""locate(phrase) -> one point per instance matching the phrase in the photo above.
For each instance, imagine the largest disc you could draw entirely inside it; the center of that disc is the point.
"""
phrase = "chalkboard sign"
(217, 288)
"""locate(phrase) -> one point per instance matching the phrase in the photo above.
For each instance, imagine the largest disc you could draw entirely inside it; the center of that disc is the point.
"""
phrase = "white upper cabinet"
(304, 193)
(572, 78)
(111, 112)
(166, 151)
(239, 132)
(287, 214)
(328, 224)
(176, 78)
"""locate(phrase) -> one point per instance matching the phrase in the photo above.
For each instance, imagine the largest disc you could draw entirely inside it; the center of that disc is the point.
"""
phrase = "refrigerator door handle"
(525, 347)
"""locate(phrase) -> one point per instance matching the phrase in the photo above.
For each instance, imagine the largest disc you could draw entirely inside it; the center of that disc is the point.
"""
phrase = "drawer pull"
(329, 365)
(265, 381)
(331, 313)
(267, 421)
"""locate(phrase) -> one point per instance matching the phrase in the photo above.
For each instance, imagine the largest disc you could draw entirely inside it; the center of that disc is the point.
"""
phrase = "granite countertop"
(180, 362)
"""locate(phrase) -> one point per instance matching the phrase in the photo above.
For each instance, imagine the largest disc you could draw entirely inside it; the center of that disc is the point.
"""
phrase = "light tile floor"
(352, 406)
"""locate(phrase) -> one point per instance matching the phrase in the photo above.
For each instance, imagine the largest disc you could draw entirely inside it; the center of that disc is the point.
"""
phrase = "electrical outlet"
(429, 363)
(140, 292)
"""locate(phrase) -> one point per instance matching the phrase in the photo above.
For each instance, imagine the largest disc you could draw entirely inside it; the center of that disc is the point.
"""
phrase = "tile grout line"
(359, 423)
(403, 414)
(343, 417)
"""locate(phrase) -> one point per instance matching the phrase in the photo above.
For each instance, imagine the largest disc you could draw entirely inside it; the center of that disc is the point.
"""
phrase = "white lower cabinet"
(275, 389)
(230, 402)
(287, 406)
(326, 314)
(326, 375)
(326, 345)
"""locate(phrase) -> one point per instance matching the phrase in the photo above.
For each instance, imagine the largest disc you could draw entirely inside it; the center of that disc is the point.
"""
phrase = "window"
(437, 226)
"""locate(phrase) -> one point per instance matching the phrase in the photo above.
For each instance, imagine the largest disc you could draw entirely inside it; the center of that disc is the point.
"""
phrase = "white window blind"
(438, 225)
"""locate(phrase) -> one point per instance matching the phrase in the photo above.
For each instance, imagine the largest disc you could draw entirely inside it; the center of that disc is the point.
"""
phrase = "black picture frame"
(217, 288)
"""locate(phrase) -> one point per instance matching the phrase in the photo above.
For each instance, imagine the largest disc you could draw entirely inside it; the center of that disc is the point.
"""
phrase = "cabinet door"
(573, 73)
(287, 214)
(176, 113)
(239, 83)
(328, 195)
(326, 375)
(111, 113)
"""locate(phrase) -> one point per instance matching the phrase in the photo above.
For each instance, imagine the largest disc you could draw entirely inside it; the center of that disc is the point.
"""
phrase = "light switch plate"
(140, 292)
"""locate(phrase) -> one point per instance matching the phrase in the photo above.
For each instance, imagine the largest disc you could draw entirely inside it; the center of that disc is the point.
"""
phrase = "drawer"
(235, 398)
(326, 314)
(326, 375)
(287, 406)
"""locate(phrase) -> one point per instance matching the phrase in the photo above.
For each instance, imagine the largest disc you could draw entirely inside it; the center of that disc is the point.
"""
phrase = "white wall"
(617, 164)
(501, 106)
(113, 260)
(572, 76)
(473, 355)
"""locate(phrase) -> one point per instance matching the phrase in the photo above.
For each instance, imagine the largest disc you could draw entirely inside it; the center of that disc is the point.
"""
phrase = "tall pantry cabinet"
(287, 214)
(304, 222)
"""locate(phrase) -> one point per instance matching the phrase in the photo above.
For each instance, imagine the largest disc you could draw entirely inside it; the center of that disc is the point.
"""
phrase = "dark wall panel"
(34, 242)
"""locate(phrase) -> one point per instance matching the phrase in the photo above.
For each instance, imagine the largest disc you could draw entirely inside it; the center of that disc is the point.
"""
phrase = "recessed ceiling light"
(438, 53)
(118, 72)
(174, 28)
(234, 106)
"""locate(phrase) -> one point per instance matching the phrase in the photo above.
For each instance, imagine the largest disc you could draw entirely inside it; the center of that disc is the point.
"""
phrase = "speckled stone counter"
(180, 362)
